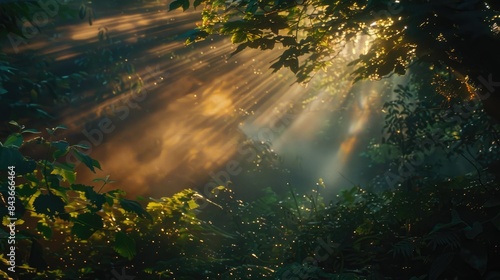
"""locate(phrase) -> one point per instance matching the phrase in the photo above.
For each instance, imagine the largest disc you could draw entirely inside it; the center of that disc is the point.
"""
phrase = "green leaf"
(95, 199)
(82, 146)
(14, 123)
(14, 140)
(443, 238)
(62, 126)
(192, 204)
(44, 114)
(124, 245)
(49, 204)
(86, 224)
(82, 11)
(116, 193)
(88, 161)
(12, 157)
(104, 180)
(65, 171)
(193, 36)
(240, 47)
(239, 37)
(196, 3)
(80, 187)
(404, 248)
(287, 41)
(60, 145)
(51, 131)
(26, 190)
(44, 229)
(177, 4)
(109, 200)
(293, 64)
(31, 130)
(252, 7)
(135, 207)
(54, 182)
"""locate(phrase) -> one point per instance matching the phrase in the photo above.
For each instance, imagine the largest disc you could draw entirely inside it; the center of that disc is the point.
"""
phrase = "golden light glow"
(197, 100)
(186, 126)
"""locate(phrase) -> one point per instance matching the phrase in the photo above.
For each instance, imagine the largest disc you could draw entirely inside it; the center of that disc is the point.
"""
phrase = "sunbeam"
(200, 100)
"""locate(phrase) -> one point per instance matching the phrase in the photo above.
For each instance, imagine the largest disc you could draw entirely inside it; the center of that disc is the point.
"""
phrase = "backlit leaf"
(88, 161)
(30, 131)
(135, 207)
(124, 245)
(14, 140)
(66, 172)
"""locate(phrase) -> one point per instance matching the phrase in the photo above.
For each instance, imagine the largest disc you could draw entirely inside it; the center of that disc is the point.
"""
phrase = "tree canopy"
(457, 38)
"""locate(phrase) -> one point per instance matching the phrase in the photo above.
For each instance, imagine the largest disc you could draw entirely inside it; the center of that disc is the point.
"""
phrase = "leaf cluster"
(48, 200)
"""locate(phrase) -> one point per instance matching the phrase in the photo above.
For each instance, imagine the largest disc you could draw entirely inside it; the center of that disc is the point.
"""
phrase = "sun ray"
(197, 101)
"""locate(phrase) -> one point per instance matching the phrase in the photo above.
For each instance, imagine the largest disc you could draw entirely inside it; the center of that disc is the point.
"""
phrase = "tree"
(456, 39)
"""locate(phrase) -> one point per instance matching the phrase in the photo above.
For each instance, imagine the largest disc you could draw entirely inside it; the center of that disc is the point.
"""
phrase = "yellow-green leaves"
(66, 171)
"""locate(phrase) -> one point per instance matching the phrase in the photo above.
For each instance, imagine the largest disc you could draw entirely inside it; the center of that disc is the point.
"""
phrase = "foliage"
(14, 15)
(47, 199)
(446, 229)
(423, 133)
(25, 93)
(117, 75)
(436, 228)
(402, 30)
(311, 33)
(38, 90)
(399, 234)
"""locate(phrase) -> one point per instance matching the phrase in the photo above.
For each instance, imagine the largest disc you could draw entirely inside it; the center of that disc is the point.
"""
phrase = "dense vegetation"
(436, 230)
(410, 222)
(444, 35)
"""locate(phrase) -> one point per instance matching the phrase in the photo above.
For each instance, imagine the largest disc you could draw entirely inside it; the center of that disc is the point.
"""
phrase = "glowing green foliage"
(124, 245)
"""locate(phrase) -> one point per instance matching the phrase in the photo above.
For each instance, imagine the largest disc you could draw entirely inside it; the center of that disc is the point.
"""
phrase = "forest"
(250, 139)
